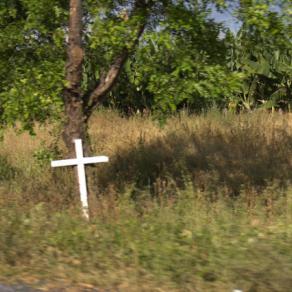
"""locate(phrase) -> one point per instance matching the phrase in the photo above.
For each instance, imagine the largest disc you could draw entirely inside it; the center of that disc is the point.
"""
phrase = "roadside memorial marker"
(80, 162)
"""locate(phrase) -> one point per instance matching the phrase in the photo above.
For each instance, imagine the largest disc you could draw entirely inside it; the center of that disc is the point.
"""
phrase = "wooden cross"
(80, 161)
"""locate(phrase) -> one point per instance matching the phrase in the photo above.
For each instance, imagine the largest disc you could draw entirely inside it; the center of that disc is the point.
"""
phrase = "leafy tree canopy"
(182, 57)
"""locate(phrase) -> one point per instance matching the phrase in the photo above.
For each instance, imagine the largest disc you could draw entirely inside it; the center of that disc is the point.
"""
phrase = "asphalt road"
(24, 288)
(16, 288)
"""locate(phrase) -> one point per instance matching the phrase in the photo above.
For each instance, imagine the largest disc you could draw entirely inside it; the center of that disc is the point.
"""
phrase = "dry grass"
(241, 153)
(236, 152)
(216, 189)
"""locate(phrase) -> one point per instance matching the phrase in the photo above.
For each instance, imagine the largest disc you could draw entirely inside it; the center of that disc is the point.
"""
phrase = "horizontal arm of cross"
(76, 161)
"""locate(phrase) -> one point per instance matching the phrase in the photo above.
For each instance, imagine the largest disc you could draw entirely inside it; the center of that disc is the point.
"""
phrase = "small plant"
(7, 171)
(44, 154)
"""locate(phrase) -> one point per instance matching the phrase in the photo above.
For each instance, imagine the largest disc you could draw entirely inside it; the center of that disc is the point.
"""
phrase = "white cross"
(80, 161)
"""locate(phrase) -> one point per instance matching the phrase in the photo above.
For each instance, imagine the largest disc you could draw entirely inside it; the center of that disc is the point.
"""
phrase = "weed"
(203, 203)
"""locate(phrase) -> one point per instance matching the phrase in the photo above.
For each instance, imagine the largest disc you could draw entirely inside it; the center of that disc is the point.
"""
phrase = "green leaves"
(183, 58)
(262, 51)
(182, 62)
(28, 100)
(32, 61)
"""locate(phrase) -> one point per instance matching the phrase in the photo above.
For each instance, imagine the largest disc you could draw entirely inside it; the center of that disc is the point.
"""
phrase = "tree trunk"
(79, 105)
(75, 127)
(75, 124)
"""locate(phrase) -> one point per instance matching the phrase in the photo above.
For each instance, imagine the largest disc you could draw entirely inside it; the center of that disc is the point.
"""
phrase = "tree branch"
(108, 79)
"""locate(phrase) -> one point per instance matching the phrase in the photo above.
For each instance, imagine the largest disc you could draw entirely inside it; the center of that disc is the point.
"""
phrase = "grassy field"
(203, 203)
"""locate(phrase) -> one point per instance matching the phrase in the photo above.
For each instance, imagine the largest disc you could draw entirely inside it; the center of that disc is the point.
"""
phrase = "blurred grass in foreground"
(203, 204)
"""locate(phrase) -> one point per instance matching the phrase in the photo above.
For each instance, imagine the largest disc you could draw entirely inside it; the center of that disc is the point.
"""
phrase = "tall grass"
(201, 204)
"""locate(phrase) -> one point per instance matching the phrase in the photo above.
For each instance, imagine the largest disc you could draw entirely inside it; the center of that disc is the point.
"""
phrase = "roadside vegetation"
(203, 203)
(193, 199)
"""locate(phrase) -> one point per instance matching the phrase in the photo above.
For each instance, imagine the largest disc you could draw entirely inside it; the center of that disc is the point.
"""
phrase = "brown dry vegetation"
(203, 203)
(238, 153)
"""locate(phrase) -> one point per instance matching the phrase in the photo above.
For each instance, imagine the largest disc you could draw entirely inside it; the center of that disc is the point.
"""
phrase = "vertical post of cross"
(81, 177)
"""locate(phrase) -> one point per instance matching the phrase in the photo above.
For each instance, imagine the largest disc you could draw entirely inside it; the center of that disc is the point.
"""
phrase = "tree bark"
(75, 127)
(75, 124)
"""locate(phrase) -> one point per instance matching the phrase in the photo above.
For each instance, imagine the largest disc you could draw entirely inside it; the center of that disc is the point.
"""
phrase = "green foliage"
(262, 51)
(176, 73)
(32, 60)
(181, 61)
(179, 245)
(191, 60)
(183, 58)
(44, 154)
